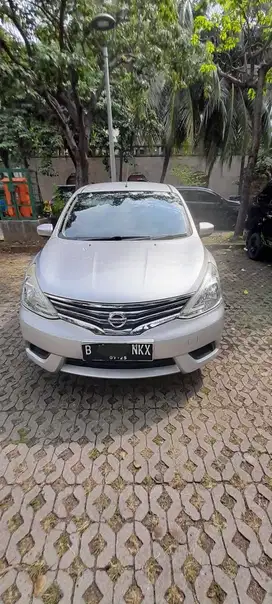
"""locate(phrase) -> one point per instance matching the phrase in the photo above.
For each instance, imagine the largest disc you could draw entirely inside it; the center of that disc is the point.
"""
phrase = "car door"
(207, 206)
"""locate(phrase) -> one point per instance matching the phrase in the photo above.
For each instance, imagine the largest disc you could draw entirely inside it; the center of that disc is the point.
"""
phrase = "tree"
(25, 127)
(53, 49)
(178, 97)
(135, 120)
(25, 131)
(242, 50)
(208, 109)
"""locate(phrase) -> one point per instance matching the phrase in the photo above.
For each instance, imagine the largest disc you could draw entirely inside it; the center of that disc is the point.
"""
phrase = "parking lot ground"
(154, 491)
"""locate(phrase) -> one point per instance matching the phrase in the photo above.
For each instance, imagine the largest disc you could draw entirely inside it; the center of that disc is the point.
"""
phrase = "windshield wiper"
(114, 238)
(170, 237)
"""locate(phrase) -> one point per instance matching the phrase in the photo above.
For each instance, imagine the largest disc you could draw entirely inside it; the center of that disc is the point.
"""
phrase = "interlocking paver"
(153, 491)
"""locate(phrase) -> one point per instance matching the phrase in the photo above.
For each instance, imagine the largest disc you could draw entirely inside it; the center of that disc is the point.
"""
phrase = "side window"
(207, 197)
(188, 194)
(199, 196)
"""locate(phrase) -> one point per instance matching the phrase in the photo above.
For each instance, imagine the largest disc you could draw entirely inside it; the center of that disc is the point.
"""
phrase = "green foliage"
(264, 164)
(190, 177)
(237, 36)
(58, 204)
(207, 68)
(269, 76)
(183, 72)
(25, 128)
(251, 94)
(57, 55)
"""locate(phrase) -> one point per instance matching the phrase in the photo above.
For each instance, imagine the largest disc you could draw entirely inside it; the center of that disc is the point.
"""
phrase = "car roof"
(127, 186)
(191, 188)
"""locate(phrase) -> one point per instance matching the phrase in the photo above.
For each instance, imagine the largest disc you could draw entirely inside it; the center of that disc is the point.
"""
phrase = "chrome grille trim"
(140, 316)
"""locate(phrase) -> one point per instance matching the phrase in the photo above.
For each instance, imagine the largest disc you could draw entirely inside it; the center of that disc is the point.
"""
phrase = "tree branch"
(14, 17)
(61, 23)
(263, 49)
(69, 137)
(116, 62)
(5, 47)
(64, 98)
(241, 84)
(51, 18)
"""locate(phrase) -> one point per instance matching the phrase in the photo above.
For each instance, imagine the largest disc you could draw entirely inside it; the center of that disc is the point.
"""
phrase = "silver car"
(124, 288)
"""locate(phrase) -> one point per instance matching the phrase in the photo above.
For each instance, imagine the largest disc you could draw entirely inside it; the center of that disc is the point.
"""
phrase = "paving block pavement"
(154, 492)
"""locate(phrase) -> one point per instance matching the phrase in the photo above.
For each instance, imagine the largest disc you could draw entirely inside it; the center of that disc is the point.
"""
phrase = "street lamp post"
(109, 110)
(106, 22)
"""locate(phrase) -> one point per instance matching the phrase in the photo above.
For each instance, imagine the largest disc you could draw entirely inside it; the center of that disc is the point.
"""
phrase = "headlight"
(207, 297)
(33, 298)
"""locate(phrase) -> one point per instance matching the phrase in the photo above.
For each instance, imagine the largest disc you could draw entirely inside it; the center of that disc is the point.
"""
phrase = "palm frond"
(244, 122)
(185, 116)
(156, 90)
(216, 101)
(267, 121)
(168, 117)
(185, 13)
(230, 133)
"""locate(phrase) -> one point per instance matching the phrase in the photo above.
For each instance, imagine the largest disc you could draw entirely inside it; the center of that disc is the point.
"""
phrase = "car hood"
(121, 271)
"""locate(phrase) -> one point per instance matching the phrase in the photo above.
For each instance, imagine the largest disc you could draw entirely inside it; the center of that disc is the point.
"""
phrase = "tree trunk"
(167, 156)
(210, 169)
(4, 154)
(82, 163)
(121, 160)
(82, 171)
(253, 154)
(241, 177)
(78, 150)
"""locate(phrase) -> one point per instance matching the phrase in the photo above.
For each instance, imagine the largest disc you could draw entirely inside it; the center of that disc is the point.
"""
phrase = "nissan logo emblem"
(117, 319)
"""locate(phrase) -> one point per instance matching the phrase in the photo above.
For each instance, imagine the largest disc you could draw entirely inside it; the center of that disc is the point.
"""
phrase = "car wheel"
(254, 246)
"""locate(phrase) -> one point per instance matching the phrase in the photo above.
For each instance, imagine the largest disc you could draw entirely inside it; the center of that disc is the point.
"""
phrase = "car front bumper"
(181, 345)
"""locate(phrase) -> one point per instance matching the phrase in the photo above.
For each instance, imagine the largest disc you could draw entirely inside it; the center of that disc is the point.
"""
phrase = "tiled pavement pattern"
(155, 492)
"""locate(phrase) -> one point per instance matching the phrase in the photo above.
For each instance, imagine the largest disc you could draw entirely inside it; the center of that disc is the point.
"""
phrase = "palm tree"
(178, 115)
(227, 124)
(211, 114)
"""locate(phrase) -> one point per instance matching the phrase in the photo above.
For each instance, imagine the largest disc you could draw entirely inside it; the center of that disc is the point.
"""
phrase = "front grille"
(122, 364)
(139, 316)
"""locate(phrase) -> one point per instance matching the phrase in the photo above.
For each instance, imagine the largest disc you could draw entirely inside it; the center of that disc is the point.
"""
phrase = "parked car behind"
(124, 288)
(258, 226)
(206, 205)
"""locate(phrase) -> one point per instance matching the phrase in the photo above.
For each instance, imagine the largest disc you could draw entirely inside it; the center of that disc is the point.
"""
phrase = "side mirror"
(45, 229)
(205, 229)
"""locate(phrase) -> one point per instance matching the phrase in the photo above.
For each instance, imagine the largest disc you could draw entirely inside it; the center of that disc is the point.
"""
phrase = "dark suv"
(207, 206)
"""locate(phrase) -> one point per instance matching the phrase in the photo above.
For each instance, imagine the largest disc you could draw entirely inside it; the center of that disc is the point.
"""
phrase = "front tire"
(255, 246)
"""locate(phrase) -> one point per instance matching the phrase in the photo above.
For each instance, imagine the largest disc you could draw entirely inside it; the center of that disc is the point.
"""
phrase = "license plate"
(117, 352)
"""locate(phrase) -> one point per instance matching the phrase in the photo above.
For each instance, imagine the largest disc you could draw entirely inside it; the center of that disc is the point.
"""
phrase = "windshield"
(125, 215)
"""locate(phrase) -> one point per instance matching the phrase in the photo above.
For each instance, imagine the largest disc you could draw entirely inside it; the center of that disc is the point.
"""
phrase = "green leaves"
(207, 68)
(51, 54)
(251, 94)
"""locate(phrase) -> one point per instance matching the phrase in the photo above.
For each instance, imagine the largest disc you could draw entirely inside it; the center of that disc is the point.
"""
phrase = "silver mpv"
(124, 287)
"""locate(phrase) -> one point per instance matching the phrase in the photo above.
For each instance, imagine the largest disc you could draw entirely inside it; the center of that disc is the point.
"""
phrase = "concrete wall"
(222, 181)
(21, 231)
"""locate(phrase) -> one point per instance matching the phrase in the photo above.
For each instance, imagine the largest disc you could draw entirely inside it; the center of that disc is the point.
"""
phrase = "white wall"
(222, 180)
